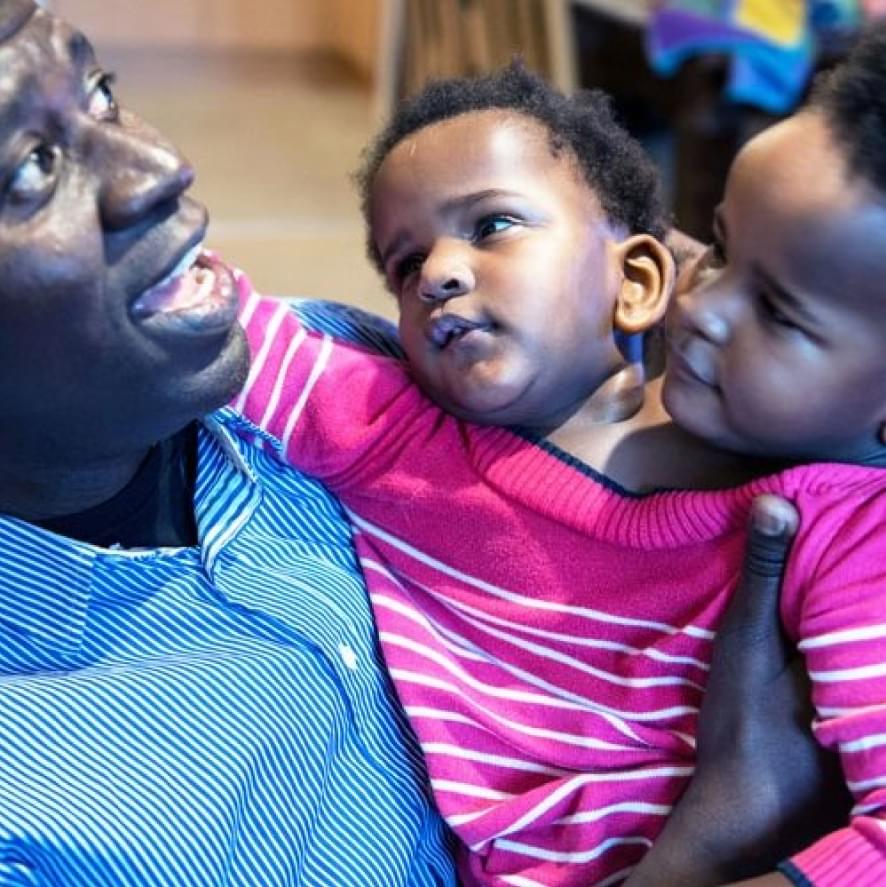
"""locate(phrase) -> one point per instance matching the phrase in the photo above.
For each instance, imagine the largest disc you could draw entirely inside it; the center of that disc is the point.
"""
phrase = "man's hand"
(763, 788)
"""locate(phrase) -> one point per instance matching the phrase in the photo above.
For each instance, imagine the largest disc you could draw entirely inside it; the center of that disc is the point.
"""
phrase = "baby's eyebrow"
(466, 201)
(400, 238)
(719, 225)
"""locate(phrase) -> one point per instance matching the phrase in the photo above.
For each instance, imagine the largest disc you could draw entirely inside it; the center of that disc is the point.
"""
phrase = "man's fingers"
(750, 645)
(773, 524)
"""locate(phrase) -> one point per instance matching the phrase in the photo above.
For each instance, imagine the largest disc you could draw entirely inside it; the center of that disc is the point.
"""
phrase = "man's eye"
(493, 224)
(36, 174)
(102, 104)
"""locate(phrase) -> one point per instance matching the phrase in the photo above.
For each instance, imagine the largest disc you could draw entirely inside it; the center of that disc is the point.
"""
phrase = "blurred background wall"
(273, 100)
(346, 26)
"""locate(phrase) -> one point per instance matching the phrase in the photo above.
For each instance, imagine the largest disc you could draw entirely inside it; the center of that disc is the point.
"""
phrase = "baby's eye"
(36, 174)
(408, 265)
(774, 315)
(696, 272)
(102, 103)
(493, 224)
(714, 256)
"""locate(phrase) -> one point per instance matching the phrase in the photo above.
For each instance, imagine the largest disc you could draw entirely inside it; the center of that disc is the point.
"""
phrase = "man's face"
(111, 336)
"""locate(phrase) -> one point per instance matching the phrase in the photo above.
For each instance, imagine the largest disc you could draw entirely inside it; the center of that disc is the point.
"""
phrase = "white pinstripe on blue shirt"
(209, 715)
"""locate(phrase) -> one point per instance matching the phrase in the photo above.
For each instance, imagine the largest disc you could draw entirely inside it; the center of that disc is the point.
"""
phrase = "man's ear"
(648, 274)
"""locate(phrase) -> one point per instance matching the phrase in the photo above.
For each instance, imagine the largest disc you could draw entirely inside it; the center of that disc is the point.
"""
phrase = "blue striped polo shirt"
(209, 715)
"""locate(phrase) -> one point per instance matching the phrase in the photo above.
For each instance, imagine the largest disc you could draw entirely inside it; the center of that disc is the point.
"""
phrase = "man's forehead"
(14, 15)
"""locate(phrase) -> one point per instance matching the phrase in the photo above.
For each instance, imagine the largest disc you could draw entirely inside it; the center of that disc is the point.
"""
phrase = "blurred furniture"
(422, 39)
(572, 43)
(692, 130)
(427, 39)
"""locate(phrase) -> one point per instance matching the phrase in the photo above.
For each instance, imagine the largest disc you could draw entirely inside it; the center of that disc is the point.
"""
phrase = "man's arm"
(763, 787)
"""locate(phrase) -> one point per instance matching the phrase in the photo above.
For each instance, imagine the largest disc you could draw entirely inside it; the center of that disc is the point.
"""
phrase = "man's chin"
(228, 374)
(217, 380)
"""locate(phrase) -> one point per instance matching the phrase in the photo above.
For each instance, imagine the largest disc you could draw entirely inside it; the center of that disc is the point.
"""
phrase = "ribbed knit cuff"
(794, 875)
(841, 859)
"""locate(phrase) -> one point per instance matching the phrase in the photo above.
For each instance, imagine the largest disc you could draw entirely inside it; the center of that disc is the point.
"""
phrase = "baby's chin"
(490, 406)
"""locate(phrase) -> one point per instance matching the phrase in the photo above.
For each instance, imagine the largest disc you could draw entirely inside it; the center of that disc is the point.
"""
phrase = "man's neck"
(35, 491)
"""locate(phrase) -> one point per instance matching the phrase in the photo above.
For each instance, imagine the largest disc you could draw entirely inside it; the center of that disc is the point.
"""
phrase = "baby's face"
(503, 266)
(777, 348)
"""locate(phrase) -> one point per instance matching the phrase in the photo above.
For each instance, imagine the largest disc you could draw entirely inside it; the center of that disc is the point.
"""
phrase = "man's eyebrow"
(14, 15)
(80, 48)
(454, 204)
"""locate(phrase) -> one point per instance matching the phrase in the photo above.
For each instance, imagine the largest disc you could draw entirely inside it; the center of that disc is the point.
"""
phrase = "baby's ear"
(648, 274)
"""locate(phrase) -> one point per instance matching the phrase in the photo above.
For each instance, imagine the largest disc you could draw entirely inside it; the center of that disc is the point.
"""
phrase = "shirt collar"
(46, 579)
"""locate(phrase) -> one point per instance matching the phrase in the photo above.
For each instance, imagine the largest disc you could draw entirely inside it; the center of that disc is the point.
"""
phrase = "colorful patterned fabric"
(768, 42)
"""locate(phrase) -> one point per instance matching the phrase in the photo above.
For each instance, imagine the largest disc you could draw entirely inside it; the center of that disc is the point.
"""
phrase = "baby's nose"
(441, 281)
(703, 316)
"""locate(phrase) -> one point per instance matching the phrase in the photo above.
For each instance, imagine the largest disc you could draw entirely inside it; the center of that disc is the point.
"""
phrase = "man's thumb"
(749, 639)
(772, 526)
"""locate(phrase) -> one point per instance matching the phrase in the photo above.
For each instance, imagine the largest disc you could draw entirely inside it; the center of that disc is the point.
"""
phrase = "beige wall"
(346, 26)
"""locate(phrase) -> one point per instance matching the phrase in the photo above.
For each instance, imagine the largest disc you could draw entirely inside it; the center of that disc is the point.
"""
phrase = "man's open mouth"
(197, 296)
(184, 287)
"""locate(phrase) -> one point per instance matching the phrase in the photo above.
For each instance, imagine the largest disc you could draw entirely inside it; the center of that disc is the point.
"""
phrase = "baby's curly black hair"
(612, 162)
(853, 99)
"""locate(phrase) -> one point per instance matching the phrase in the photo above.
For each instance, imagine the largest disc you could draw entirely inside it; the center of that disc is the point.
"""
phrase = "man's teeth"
(185, 264)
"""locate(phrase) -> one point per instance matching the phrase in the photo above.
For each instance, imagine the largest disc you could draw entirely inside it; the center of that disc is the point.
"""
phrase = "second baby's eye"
(493, 224)
(714, 256)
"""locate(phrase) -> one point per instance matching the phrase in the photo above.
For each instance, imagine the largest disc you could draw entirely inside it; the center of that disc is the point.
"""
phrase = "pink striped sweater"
(549, 635)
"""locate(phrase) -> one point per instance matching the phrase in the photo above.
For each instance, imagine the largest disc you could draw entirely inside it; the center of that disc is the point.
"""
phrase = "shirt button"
(349, 657)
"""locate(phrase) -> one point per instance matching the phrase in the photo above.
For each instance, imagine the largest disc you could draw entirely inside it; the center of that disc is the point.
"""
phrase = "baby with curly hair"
(548, 554)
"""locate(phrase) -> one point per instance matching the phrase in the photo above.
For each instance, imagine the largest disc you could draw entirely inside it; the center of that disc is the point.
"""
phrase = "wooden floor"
(274, 140)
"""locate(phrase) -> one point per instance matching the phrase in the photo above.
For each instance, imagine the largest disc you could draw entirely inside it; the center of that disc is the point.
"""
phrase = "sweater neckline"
(548, 479)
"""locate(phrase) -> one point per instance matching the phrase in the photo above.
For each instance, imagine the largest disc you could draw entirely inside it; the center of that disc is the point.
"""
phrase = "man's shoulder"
(349, 323)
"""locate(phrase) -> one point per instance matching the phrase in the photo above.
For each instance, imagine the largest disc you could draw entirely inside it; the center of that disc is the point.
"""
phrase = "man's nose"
(142, 171)
(445, 274)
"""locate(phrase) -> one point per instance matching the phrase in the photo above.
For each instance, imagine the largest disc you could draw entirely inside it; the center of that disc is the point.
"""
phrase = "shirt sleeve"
(334, 409)
(348, 323)
(842, 635)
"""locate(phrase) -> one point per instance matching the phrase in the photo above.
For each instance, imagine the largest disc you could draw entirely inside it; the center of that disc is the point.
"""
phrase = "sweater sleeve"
(333, 409)
(842, 634)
